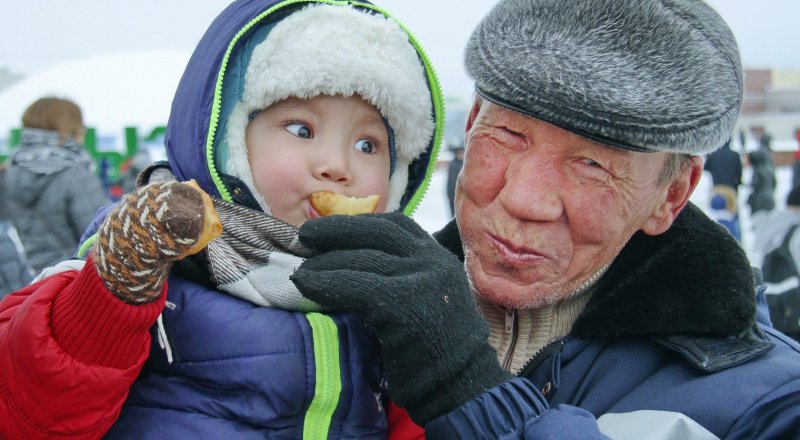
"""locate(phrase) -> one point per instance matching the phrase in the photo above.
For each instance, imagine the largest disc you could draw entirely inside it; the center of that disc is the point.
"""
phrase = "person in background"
(723, 208)
(317, 97)
(52, 192)
(15, 271)
(129, 171)
(762, 196)
(597, 301)
(725, 168)
(769, 233)
(453, 168)
(777, 246)
(796, 161)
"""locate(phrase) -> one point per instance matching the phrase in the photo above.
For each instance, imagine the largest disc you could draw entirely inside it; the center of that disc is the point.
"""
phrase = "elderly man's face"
(541, 209)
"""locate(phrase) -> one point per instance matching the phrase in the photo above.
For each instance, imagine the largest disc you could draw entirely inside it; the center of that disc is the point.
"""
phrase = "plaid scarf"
(41, 152)
(255, 256)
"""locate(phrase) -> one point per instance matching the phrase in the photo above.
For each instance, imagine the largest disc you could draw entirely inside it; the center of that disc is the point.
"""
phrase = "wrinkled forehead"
(490, 112)
(532, 129)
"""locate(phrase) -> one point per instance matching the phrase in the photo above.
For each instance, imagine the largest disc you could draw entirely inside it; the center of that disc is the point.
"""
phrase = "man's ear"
(676, 197)
(473, 113)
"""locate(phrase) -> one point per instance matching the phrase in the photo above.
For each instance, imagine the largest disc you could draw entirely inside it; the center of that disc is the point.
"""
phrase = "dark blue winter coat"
(725, 166)
(670, 346)
(242, 371)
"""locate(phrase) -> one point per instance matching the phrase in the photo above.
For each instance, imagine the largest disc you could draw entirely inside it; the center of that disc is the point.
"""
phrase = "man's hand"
(416, 297)
(150, 229)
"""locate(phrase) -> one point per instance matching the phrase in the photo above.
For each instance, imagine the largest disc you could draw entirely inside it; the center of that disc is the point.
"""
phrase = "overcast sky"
(37, 34)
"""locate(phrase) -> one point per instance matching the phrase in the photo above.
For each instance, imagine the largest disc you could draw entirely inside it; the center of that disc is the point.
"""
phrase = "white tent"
(114, 91)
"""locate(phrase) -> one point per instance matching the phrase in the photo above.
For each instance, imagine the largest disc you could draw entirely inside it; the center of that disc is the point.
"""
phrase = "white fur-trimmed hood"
(338, 50)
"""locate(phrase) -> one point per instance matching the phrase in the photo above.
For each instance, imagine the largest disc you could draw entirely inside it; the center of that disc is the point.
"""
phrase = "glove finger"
(340, 290)
(407, 223)
(377, 299)
(386, 303)
(368, 261)
(392, 233)
(382, 276)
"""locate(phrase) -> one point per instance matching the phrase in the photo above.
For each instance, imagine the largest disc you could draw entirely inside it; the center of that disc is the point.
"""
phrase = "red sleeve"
(401, 427)
(71, 351)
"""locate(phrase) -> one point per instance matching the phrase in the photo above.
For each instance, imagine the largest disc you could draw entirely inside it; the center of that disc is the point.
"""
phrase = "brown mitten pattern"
(151, 228)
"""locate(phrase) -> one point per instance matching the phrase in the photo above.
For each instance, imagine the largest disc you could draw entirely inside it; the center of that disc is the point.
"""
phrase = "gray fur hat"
(643, 75)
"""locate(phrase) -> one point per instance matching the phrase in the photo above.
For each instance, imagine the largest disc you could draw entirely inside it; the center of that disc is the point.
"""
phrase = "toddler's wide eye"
(365, 146)
(299, 130)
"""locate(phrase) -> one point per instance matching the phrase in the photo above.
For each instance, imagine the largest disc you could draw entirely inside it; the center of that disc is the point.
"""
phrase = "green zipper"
(328, 385)
(83, 251)
(438, 109)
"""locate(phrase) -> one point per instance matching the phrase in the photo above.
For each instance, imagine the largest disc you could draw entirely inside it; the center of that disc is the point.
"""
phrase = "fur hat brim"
(338, 50)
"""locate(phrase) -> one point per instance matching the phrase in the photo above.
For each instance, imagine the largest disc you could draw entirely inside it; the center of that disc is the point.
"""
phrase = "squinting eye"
(299, 130)
(592, 163)
(365, 146)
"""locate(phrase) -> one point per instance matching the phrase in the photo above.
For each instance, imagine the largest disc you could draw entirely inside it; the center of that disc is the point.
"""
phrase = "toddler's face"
(297, 147)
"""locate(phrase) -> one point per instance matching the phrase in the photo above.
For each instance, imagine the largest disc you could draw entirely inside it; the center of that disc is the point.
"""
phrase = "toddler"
(280, 100)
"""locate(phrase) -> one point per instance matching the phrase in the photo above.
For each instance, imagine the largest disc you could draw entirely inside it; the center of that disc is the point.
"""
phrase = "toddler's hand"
(151, 228)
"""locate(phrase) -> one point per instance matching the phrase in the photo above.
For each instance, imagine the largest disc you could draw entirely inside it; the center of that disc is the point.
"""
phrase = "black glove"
(415, 295)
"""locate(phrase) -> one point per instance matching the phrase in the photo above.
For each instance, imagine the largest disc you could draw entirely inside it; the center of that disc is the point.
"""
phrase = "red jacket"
(72, 351)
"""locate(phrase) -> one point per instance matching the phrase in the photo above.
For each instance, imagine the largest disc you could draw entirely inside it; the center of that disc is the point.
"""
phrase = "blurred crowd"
(773, 219)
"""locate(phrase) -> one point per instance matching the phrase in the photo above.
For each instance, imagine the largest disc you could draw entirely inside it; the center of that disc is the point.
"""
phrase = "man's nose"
(533, 189)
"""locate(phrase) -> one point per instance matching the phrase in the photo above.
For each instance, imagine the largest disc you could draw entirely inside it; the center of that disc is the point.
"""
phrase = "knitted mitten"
(151, 228)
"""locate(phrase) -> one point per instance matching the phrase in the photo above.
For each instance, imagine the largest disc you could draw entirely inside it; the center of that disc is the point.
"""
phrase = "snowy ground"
(433, 213)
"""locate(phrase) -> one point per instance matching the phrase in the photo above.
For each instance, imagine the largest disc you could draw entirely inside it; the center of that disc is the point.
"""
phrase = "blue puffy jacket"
(242, 371)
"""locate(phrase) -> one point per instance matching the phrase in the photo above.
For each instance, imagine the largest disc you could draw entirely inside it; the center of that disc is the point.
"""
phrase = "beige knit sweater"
(518, 334)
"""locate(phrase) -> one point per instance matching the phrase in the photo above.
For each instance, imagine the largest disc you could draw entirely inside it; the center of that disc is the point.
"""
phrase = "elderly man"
(607, 304)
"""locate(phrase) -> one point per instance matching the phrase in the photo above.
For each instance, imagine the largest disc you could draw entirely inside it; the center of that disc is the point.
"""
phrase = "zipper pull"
(510, 315)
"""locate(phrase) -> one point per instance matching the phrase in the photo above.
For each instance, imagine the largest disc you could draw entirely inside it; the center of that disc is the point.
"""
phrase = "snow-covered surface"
(433, 213)
(123, 89)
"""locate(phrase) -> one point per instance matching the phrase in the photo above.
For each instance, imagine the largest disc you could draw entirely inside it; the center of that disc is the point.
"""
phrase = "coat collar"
(693, 279)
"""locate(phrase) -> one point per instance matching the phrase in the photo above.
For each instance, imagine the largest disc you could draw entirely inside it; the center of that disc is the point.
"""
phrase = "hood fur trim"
(338, 50)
